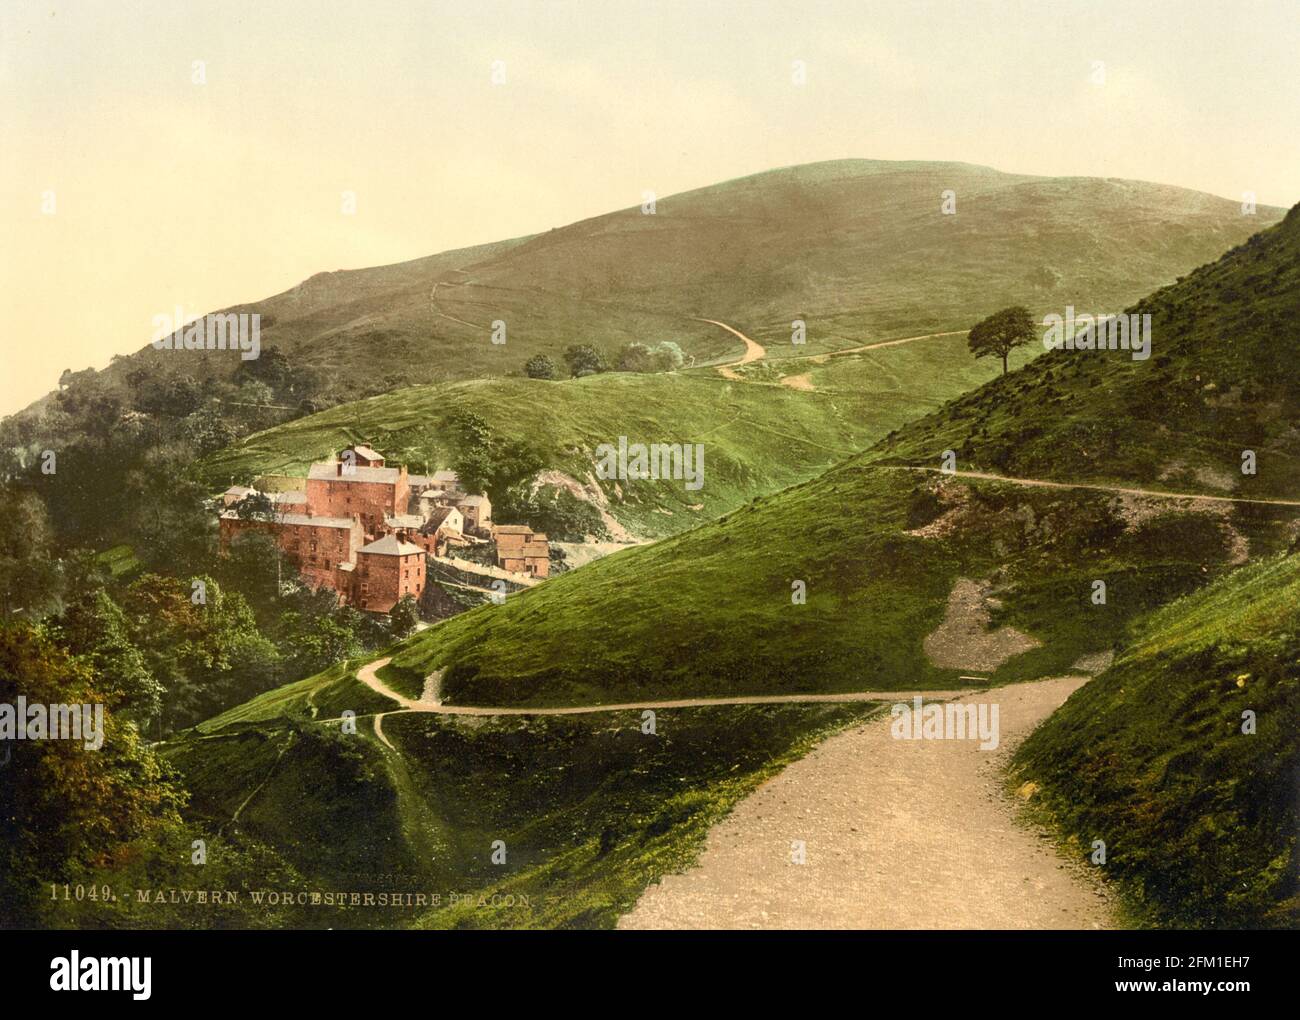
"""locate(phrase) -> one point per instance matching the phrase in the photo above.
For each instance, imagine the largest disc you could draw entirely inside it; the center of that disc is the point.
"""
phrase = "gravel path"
(897, 834)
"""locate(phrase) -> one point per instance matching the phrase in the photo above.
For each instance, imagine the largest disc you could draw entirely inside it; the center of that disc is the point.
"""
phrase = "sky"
(197, 154)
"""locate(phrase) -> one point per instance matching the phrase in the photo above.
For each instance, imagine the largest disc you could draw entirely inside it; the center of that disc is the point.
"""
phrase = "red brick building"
(522, 550)
(385, 571)
(363, 529)
(372, 493)
(315, 545)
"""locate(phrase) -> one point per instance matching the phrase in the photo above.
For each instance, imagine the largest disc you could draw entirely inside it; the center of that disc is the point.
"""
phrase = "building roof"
(475, 500)
(440, 514)
(514, 529)
(328, 471)
(404, 521)
(389, 545)
(237, 490)
(306, 520)
(418, 481)
(296, 496)
(361, 450)
(446, 476)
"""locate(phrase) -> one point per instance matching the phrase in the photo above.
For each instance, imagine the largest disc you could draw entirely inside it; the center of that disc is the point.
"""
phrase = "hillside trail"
(897, 834)
(824, 355)
(753, 350)
(1040, 483)
(367, 674)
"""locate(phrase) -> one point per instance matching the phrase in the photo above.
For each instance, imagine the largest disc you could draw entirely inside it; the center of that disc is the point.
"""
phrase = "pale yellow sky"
(167, 192)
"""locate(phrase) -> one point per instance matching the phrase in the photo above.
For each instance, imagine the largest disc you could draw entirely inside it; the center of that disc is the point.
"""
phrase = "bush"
(539, 366)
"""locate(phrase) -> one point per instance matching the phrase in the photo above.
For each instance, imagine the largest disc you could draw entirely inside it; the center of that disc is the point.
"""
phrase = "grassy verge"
(1158, 759)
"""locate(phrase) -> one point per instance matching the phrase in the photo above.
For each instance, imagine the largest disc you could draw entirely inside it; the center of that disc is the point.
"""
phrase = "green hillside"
(590, 809)
(884, 552)
(1199, 818)
(757, 438)
(857, 248)
(1223, 377)
(637, 622)
(709, 612)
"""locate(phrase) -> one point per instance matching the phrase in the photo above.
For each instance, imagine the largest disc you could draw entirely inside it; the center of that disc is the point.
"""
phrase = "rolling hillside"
(881, 547)
(913, 580)
(857, 248)
(758, 438)
(1222, 379)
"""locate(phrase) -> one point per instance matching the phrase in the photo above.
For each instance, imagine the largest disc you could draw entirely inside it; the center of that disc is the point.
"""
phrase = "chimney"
(338, 469)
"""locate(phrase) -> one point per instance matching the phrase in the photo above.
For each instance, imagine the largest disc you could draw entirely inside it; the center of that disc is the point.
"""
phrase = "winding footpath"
(754, 351)
(368, 675)
(895, 833)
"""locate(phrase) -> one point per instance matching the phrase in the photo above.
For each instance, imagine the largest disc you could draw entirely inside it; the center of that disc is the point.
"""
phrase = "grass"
(757, 439)
(1222, 379)
(1199, 817)
(710, 612)
(591, 810)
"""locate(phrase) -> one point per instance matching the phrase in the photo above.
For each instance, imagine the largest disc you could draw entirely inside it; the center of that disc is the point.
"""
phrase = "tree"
(539, 366)
(403, 617)
(583, 359)
(63, 807)
(29, 577)
(1002, 332)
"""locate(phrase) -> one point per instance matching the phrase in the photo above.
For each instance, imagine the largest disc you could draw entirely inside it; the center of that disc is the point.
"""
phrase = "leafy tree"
(1001, 333)
(403, 617)
(487, 463)
(583, 359)
(29, 579)
(63, 807)
(95, 629)
(539, 366)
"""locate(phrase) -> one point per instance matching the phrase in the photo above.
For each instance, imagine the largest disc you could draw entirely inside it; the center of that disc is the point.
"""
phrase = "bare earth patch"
(963, 640)
(590, 493)
(1097, 662)
(798, 382)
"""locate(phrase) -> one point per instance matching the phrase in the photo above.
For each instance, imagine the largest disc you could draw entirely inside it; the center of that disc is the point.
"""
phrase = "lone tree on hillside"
(1001, 332)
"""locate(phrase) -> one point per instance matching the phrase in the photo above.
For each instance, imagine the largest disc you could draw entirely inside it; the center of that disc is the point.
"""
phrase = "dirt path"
(753, 351)
(898, 834)
(367, 675)
(1039, 483)
(875, 346)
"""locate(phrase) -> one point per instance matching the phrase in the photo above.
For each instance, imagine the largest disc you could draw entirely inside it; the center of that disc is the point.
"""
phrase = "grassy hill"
(1199, 818)
(758, 438)
(590, 809)
(710, 612)
(880, 549)
(888, 557)
(1223, 377)
(857, 248)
